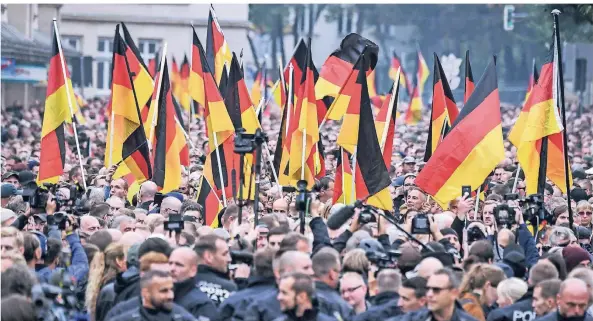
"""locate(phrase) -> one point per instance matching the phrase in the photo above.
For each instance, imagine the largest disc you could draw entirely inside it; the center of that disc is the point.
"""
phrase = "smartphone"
(466, 189)
(158, 198)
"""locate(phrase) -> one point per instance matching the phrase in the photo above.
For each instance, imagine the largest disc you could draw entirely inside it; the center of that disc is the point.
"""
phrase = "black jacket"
(235, 306)
(264, 308)
(310, 315)
(196, 302)
(105, 301)
(139, 313)
(520, 310)
(555, 316)
(127, 285)
(384, 306)
(217, 286)
(331, 303)
(425, 314)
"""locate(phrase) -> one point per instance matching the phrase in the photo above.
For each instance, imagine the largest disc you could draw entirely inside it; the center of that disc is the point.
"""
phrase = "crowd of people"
(100, 255)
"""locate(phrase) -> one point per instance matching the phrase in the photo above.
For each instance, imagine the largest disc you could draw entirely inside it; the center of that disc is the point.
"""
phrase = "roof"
(37, 50)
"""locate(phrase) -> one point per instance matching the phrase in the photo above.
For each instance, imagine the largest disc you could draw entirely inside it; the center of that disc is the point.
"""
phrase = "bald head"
(131, 238)
(506, 237)
(204, 230)
(170, 205)
(89, 224)
(148, 190)
(280, 205)
(294, 261)
(428, 267)
(115, 235)
(573, 298)
(183, 262)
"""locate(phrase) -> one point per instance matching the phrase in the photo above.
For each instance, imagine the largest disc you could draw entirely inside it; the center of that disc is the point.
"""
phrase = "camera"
(56, 301)
(368, 214)
(303, 197)
(37, 196)
(421, 224)
(384, 260)
(175, 223)
(474, 233)
(504, 216)
(238, 257)
(246, 143)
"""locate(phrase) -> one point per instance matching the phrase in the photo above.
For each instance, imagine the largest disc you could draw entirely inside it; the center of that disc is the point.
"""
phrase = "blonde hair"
(153, 221)
(102, 269)
(356, 261)
(512, 288)
(479, 275)
(150, 258)
(584, 205)
(10, 231)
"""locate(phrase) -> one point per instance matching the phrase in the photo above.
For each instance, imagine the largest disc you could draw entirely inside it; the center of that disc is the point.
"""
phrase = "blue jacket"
(79, 265)
(527, 242)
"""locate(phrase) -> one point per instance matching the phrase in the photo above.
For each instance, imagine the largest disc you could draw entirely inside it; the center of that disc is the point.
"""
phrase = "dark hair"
(418, 284)
(558, 261)
(54, 247)
(17, 308)
(483, 250)
(191, 240)
(147, 277)
(549, 288)
(302, 283)
(99, 210)
(90, 250)
(454, 281)
(17, 279)
(278, 230)
(549, 189)
(206, 243)
(31, 243)
(72, 172)
(154, 244)
(325, 260)
(322, 184)
(101, 239)
(189, 205)
(263, 262)
(291, 239)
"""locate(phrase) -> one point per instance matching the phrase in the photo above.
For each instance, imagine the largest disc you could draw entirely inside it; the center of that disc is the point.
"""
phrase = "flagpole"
(269, 157)
(444, 128)
(277, 83)
(63, 63)
(390, 110)
(353, 195)
(477, 200)
(343, 177)
(219, 168)
(191, 144)
(158, 93)
(555, 13)
(516, 178)
(191, 100)
(111, 122)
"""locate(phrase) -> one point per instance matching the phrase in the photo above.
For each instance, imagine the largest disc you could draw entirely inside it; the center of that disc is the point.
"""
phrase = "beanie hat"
(448, 231)
(573, 256)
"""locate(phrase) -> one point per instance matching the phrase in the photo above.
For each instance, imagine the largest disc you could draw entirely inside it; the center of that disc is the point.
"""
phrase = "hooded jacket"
(215, 284)
(127, 285)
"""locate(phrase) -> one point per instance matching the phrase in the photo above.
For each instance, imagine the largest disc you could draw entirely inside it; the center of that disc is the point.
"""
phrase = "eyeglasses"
(585, 213)
(522, 188)
(344, 291)
(436, 290)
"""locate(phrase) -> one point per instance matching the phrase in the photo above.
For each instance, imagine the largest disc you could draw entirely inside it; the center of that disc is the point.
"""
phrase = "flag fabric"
(358, 136)
(469, 79)
(129, 138)
(217, 49)
(517, 130)
(532, 81)
(422, 73)
(210, 202)
(79, 104)
(182, 90)
(540, 150)
(298, 62)
(169, 141)
(59, 93)
(153, 65)
(222, 84)
(444, 110)
(196, 74)
(414, 111)
(338, 66)
(348, 95)
(257, 87)
(282, 153)
(473, 147)
(395, 65)
(385, 121)
(343, 180)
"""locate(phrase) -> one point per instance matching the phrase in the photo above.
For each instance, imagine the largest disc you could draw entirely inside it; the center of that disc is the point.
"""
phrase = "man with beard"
(296, 293)
(156, 299)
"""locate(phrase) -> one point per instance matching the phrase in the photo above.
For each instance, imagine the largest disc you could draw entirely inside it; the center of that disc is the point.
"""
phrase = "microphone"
(340, 217)
(289, 189)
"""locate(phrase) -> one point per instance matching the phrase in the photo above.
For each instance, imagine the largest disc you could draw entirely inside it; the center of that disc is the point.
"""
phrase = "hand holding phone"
(466, 189)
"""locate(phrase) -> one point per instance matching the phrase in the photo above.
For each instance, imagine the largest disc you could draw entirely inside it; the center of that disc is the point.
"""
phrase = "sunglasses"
(350, 290)
(585, 213)
(436, 290)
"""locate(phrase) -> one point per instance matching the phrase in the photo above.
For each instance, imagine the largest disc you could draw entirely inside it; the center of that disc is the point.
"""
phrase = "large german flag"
(196, 74)
(385, 123)
(473, 147)
(541, 150)
(371, 176)
(143, 82)
(469, 79)
(217, 49)
(532, 81)
(395, 65)
(282, 153)
(343, 181)
(129, 138)
(169, 141)
(208, 199)
(422, 73)
(517, 130)
(444, 110)
(414, 111)
(298, 62)
(338, 66)
(59, 95)
(182, 90)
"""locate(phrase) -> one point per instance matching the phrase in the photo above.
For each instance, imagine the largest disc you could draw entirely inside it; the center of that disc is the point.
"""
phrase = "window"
(73, 41)
(148, 48)
(103, 63)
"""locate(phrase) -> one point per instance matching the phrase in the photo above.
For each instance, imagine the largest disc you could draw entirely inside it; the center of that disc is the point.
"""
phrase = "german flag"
(444, 110)
(473, 147)
(359, 135)
(257, 87)
(217, 49)
(282, 153)
(196, 75)
(541, 150)
(348, 95)
(298, 62)
(414, 111)
(207, 198)
(305, 128)
(385, 123)
(421, 74)
(129, 138)
(532, 81)
(182, 90)
(343, 181)
(469, 79)
(143, 82)
(169, 141)
(59, 95)
(222, 85)
(395, 65)
(517, 130)
(153, 65)
(338, 66)
(280, 147)
(80, 103)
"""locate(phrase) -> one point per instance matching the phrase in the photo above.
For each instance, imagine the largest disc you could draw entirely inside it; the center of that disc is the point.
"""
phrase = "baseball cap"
(8, 190)
(409, 160)
(6, 215)
(26, 177)
(398, 181)
(10, 174)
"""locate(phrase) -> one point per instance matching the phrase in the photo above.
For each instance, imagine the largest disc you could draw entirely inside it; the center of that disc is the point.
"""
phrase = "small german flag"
(343, 181)
(169, 141)
(395, 65)
(196, 75)
(182, 94)
(217, 49)
(422, 73)
(414, 111)
(59, 95)
(444, 110)
(473, 147)
(339, 64)
(207, 198)
(385, 124)
(469, 79)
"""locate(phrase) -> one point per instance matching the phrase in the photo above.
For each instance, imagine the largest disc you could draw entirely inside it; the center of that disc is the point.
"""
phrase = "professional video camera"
(247, 143)
(474, 233)
(421, 224)
(56, 301)
(37, 196)
(504, 216)
(238, 257)
(532, 207)
(385, 259)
